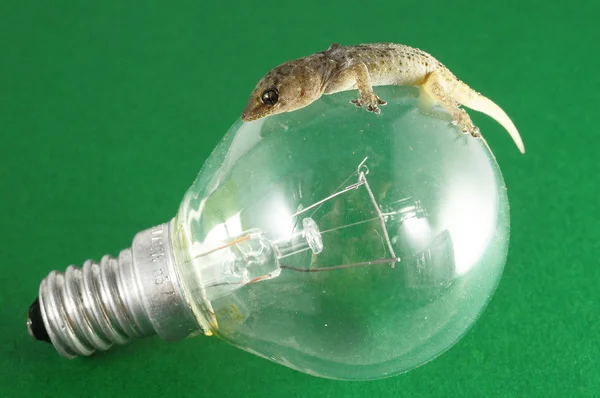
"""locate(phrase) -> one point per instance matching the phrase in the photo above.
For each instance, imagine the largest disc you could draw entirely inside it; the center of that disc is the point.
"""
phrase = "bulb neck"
(137, 294)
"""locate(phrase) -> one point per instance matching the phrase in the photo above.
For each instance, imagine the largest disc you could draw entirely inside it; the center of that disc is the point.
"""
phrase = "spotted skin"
(297, 83)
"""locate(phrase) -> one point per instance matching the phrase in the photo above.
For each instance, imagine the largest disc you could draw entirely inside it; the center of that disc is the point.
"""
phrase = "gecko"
(297, 83)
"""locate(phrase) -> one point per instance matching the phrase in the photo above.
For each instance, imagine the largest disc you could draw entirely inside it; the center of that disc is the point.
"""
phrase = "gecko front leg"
(356, 76)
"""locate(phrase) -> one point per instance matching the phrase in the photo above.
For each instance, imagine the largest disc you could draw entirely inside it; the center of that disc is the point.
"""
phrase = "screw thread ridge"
(84, 308)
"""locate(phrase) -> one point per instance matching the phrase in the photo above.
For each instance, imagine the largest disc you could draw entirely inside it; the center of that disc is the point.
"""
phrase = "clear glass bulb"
(340, 243)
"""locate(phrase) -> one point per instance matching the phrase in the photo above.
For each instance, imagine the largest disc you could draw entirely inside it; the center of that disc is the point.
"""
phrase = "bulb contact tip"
(35, 322)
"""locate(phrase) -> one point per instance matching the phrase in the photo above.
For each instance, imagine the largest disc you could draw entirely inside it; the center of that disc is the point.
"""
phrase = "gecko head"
(284, 89)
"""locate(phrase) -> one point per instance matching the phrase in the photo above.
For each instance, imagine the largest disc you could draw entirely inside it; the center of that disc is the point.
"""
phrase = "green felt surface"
(108, 110)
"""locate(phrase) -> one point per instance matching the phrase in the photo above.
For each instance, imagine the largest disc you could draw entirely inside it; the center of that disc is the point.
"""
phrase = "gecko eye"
(270, 97)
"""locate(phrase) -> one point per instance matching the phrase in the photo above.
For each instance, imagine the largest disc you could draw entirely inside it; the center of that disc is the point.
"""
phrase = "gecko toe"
(373, 108)
(369, 101)
(370, 104)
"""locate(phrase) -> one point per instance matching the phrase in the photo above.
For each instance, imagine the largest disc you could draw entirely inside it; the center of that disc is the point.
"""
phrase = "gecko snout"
(256, 110)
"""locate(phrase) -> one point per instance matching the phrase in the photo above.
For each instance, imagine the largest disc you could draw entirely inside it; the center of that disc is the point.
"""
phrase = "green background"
(108, 110)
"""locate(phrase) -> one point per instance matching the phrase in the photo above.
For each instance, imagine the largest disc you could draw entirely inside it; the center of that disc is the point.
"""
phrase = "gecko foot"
(370, 102)
(463, 121)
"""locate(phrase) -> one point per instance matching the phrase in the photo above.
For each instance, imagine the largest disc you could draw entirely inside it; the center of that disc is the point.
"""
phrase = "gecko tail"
(466, 96)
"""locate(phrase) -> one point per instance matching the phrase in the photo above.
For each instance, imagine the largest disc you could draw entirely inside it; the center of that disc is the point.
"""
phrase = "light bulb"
(336, 242)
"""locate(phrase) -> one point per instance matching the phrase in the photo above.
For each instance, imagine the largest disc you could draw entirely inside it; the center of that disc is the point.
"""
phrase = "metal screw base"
(84, 309)
(93, 307)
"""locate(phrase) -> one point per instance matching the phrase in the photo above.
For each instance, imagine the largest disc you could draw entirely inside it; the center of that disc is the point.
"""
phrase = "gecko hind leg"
(430, 107)
(460, 117)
